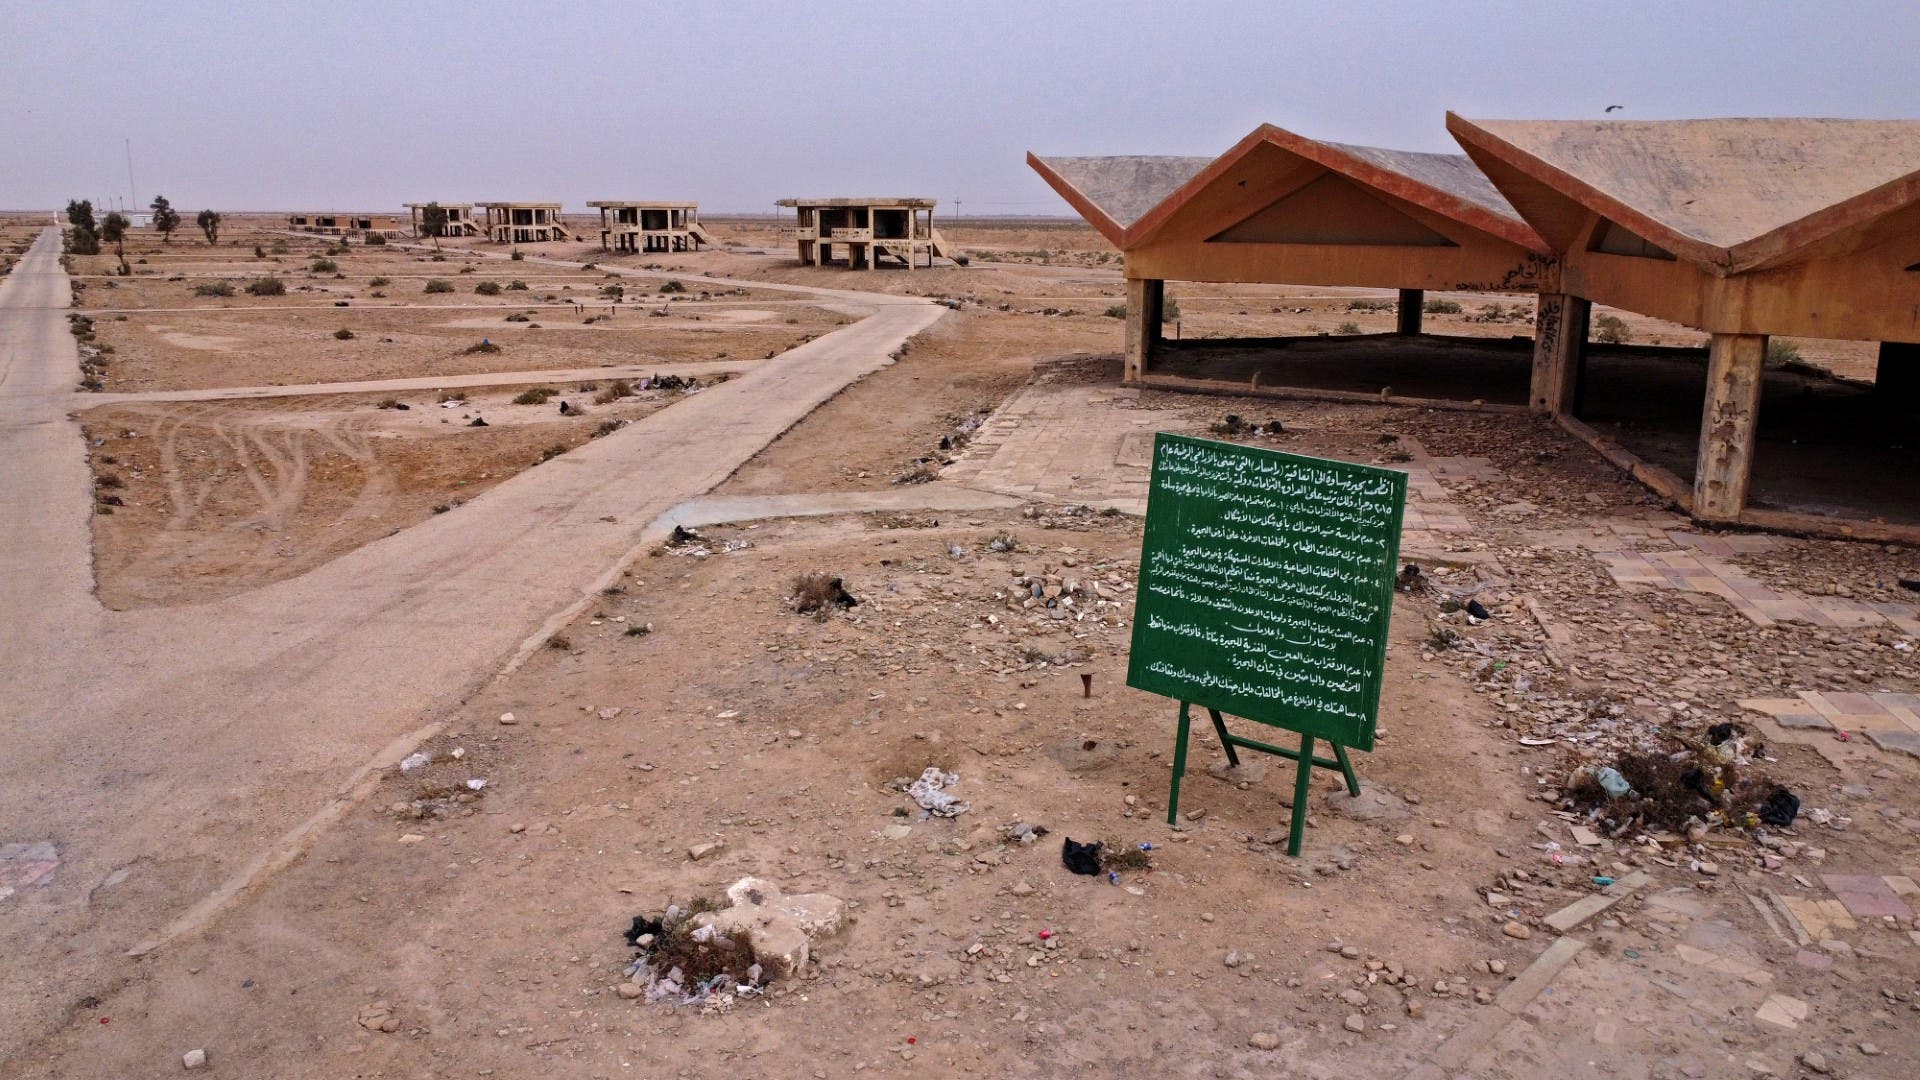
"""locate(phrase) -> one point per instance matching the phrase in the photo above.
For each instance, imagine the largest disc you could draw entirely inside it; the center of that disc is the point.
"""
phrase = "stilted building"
(459, 219)
(1741, 228)
(1281, 208)
(650, 226)
(524, 222)
(866, 229)
(337, 224)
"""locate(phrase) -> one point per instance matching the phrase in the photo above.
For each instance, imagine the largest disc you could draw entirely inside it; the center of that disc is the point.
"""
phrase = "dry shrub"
(818, 594)
(613, 392)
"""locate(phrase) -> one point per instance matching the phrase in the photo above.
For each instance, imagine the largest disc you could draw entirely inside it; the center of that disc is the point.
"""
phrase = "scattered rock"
(194, 1059)
(379, 1017)
(1781, 1011)
(1251, 770)
(1264, 1040)
(630, 990)
(1355, 1022)
(1815, 1061)
(507, 718)
(1374, 803)
(780, 929)
(1355, 998)
(701, 851)
(1519, 931)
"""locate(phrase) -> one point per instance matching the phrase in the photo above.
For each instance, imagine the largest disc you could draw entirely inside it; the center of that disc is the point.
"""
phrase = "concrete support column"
(1146, 304)
(1898, 374)
(1407, 313)
(1559, 346)
(1729, 425)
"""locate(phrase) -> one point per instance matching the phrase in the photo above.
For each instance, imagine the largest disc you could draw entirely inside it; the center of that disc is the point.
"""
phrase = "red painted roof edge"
(1401, 186)
(1397, 185)
(1781, 244)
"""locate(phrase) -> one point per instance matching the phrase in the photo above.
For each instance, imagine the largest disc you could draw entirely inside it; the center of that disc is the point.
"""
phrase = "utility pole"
(133, 193)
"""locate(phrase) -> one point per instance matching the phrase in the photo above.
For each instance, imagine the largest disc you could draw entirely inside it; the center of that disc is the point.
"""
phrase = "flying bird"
(1615, 108)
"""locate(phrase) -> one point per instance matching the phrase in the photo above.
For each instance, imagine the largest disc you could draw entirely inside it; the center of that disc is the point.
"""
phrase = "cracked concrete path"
(193, 744)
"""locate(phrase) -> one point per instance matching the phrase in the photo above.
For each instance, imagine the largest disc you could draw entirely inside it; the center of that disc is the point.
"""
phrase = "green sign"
(1266, 586)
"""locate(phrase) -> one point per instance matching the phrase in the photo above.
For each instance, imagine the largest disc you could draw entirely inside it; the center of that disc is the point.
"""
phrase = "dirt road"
(170, 754)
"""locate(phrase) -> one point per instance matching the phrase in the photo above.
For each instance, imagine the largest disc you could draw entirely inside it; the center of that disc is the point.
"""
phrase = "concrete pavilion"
(1741, 228)
(1281, 208)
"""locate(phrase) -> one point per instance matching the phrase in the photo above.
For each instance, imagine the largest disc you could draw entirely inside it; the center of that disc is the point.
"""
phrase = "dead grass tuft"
(817, 594)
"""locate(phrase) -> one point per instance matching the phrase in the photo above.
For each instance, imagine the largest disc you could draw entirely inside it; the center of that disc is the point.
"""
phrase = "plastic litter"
(1081, 858)
(1612, 782)
(1781, 808)
(1602, 880)
(927, 792)
(415, 760)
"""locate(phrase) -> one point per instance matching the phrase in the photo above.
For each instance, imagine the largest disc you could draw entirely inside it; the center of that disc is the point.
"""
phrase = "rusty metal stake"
(1086, 684)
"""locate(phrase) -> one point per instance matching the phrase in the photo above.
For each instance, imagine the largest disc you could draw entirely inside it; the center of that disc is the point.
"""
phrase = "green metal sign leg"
(1226, 741)
(1179, 764)
(1302, 782)
(1346, 767)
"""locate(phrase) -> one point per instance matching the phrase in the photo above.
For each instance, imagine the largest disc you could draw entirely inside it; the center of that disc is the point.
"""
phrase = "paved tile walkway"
(1088, 444)
(1857, 898)
(1702, 572)
(1890, 720)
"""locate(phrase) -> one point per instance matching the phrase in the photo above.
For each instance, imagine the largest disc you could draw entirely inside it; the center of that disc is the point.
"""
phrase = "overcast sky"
(347, 105)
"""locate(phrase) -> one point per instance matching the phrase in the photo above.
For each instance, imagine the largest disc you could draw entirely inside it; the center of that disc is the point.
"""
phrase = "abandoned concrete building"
(459, 219)
(1726, 231)
(901, 229)
(337, 224)
(650, 226)
(524, 222)
(1280, 208)
(1741, 229)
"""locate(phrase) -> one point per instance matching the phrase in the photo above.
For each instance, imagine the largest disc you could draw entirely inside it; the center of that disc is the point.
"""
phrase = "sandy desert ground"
(683, 727)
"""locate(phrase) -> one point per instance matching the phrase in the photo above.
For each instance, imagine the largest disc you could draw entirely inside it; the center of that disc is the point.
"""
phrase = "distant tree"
(85, 236)
(210, 224)
(433, 222)
(165, 218)
(114, 231)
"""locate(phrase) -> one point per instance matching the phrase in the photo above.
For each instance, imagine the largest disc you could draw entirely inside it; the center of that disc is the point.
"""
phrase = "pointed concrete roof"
(1732, 194)
(1129, 198)
(1113, 192)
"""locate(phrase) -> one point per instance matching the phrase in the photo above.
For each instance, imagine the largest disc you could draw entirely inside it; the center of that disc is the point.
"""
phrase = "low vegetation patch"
(439, 286)
(1610, 330)
(323, 266)
(213, 288)
(1442, 307)
(614, 391)
(343, 334)
(487, 288)
(538, 395)
(267, 286)
(818, 594)
(483, 347)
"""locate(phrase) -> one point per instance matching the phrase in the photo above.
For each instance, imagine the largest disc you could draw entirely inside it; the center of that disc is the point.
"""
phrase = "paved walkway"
(185, 746)
(1090, 444)
(1890, 720)
(1759, 603)
(727, 509)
